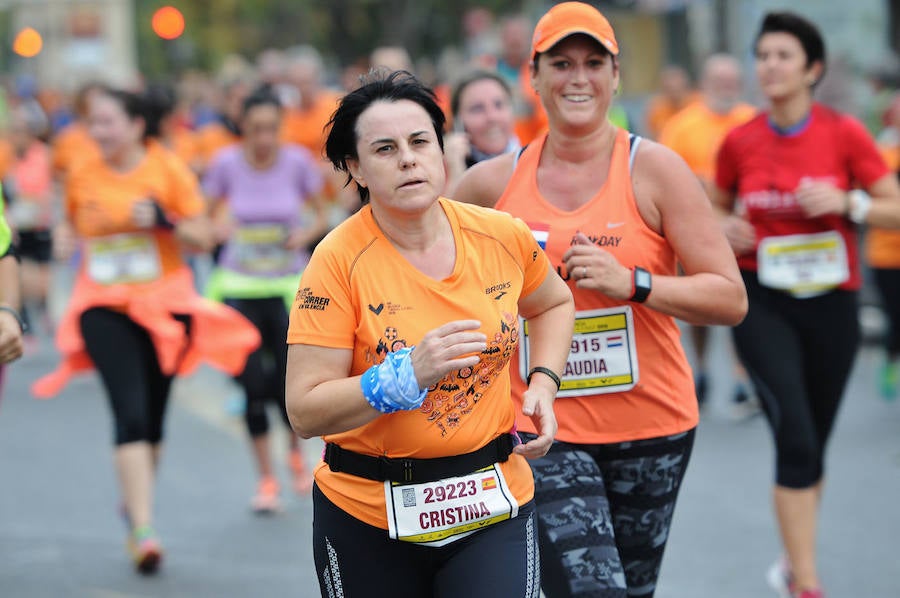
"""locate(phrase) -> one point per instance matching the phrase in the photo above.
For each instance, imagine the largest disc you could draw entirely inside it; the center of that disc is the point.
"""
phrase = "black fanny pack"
(418, 471)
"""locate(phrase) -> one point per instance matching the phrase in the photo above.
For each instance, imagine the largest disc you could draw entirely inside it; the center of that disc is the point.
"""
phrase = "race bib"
(803, 265)
(259, 249)
(603, 357)
(125, 258)
(25, 214)
(441, 512)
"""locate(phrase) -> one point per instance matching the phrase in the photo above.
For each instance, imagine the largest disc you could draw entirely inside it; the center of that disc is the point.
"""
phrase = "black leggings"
(264, 375)
(126, 360)
(604, 513)
(356, 560)
(888, 281)
(799, 353)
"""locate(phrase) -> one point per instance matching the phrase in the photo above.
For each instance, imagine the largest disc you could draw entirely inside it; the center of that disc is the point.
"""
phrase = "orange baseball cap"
(569, 18)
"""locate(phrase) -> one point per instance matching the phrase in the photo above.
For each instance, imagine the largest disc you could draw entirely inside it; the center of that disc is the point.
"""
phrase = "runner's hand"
(538, 405)
(448, 348)
(299, 238)
(592, 267)
(740, 234)
(820, 199)
(143, 214)
(11, 346)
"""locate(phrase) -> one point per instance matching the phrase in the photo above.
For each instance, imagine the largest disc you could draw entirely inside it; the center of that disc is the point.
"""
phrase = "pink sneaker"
(817, 593)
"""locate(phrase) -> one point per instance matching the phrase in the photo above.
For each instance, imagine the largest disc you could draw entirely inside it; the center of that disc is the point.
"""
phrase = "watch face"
(642, 279)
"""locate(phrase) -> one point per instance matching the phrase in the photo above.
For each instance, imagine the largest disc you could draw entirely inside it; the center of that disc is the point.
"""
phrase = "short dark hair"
(474, 77)
(264, 95)
(152, 105)
(804, 30)
(378, 85)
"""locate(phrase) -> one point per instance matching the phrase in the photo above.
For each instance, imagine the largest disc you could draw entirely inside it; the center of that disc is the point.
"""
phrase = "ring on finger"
(584, 271)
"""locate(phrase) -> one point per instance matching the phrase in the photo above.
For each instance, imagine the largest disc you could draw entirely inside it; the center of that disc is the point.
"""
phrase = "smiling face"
(781, 67)
(399, 159)
(576, 80)
(485, 111)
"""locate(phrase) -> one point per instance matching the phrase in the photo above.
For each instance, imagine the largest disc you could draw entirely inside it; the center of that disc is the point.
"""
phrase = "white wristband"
(860, 203)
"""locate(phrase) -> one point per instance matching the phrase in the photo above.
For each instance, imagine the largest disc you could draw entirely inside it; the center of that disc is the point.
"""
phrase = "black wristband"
(161, 220)
(547, 372)
(22, 325)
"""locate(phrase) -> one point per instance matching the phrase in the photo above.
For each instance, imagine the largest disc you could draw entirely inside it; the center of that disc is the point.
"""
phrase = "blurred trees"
(344, 29)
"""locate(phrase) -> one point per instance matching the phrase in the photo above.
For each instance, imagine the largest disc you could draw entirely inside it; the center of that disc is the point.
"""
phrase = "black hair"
(264, 95)
(378, 85)
(474, 77)
(151, 106)
(804, 30)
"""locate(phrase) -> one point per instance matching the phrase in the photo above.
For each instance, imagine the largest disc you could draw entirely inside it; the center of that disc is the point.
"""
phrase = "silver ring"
(584, 271)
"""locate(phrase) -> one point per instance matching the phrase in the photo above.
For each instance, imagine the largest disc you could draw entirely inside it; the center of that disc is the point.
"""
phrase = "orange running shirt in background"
(210, 139)
(663, 401)
(660, 109)
(99, 200)
(7, 156)
(883, 245)
(307, 127)
(696, 133)
(71, 146)
(359, 293)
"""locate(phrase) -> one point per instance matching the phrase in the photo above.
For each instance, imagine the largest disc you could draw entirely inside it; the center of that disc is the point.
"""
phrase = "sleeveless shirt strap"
(633, 142)
(519, 155)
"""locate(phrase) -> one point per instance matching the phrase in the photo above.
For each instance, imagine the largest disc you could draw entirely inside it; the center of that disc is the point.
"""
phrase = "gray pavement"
(60, 535)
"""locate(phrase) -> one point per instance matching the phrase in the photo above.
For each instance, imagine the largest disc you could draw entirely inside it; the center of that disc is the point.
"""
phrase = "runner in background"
(598, 200)
(695, 134)
(266, 199)
(12, 326)
(28, 185)
(133, 314)
(883, 256)
(785, 188)
(73, 143)
(483, 123)
(675, 94)
(400, 340)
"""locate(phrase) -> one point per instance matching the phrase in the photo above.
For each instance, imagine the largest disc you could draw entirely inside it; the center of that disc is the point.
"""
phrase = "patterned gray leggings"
(604, 513)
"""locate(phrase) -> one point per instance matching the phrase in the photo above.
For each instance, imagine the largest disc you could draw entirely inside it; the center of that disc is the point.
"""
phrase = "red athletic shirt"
(764, 168)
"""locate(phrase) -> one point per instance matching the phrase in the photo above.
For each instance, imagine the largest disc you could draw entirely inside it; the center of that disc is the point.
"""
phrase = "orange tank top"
(627, 376)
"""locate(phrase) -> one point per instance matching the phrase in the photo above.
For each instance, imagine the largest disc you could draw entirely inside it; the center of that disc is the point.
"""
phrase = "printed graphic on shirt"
(455, 396)
(305, 300)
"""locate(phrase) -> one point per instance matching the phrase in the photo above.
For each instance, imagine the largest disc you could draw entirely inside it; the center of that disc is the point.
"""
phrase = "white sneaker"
(778, 576)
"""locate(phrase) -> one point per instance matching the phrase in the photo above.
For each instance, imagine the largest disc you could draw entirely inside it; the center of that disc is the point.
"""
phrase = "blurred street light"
(28, 43)
(168, 22)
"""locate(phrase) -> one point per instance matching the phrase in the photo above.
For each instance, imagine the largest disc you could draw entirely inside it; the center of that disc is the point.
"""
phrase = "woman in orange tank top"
(613, 213)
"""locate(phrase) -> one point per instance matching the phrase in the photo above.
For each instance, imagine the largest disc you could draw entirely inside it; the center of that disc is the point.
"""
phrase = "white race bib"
(259, 249)
(803, 265)
(603, 357)
(25, 214)
(437, 513)
(124, 258)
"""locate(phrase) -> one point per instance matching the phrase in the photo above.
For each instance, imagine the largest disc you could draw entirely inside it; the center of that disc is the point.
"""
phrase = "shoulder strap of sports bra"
(633, 142)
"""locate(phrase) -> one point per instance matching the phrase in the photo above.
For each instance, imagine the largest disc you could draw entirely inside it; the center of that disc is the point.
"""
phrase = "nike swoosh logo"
(376, 310)
(614, 224)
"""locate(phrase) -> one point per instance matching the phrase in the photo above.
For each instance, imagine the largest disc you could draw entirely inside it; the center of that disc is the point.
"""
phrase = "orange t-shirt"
(210, 139)
(696, 133)
(184, 145)
(32, 183)
(660, 109)
(307, 127)
(612, 349)
(7, 156)
(883, 245)
(99, 200)
(359, 293)
(72, 146)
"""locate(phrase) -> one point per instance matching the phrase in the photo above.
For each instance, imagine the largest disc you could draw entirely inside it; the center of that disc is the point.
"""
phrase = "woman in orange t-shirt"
(612, 212)
(133, 313)
(400, 340)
